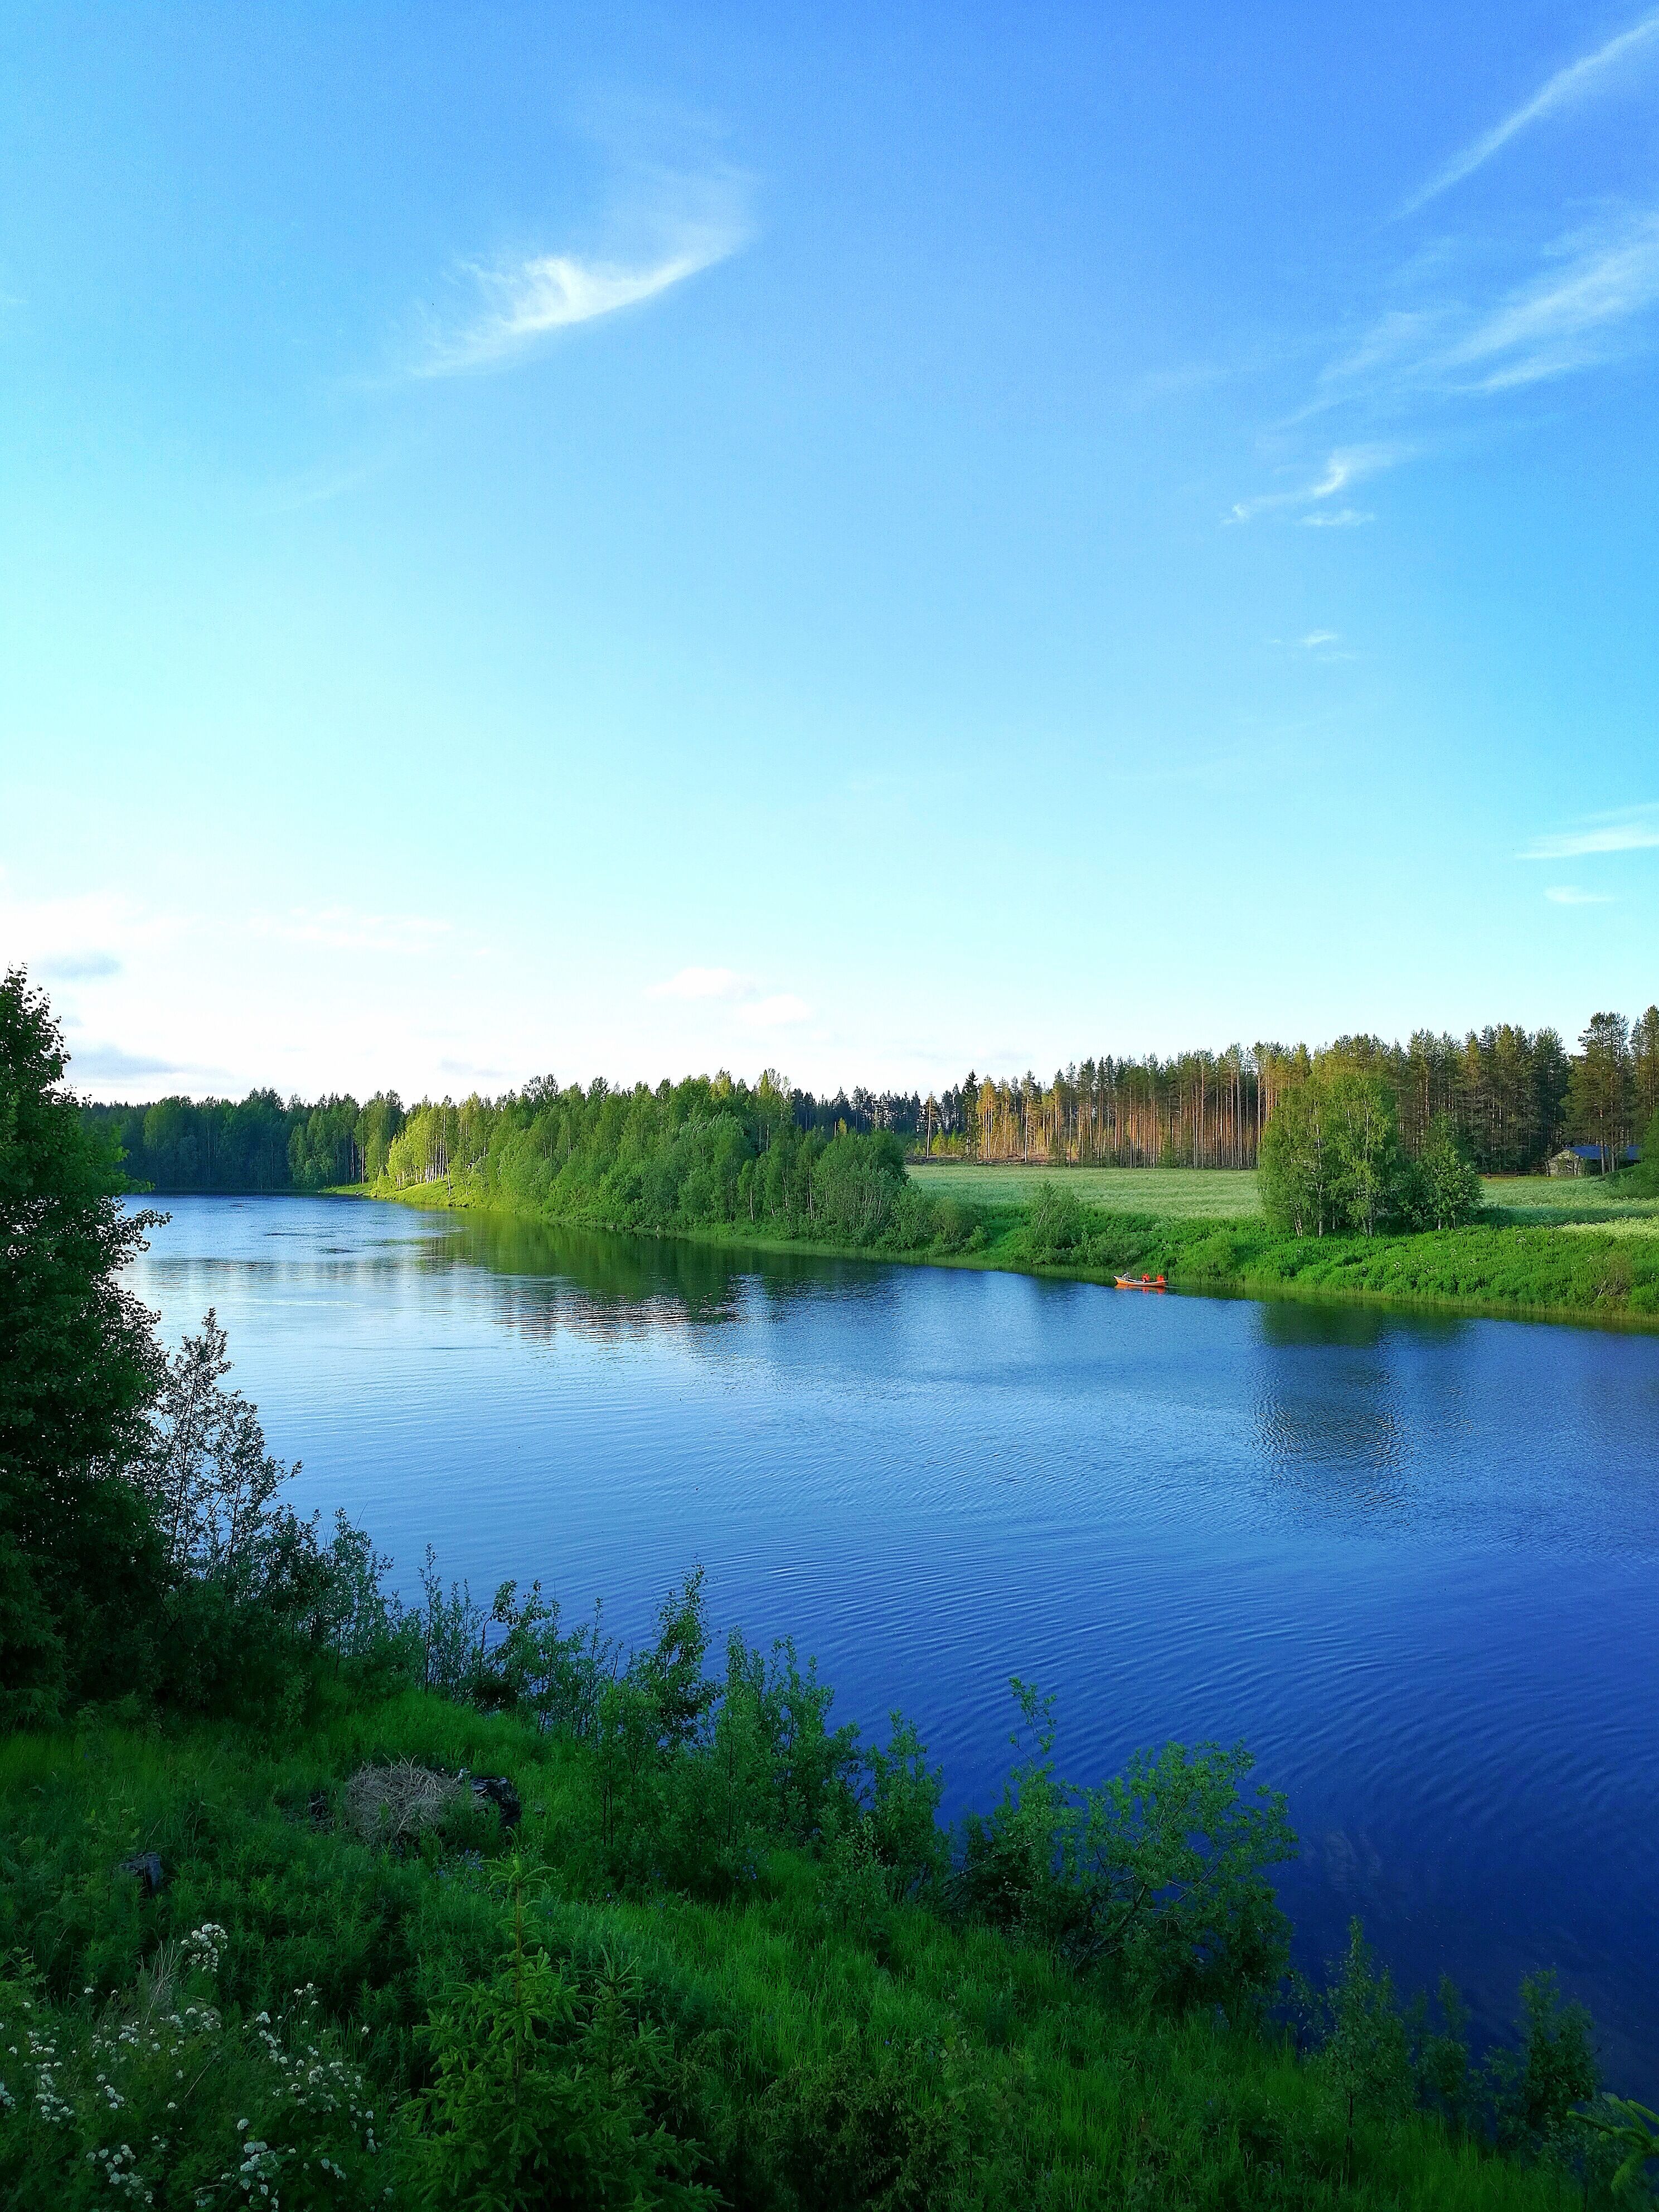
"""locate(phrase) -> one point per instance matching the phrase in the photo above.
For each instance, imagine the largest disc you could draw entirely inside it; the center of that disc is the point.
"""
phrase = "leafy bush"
(1441, 1188)
(857, 1185)
(1158, 1876)
(1534, 2091)
(1055, 1225)
(548, 2090)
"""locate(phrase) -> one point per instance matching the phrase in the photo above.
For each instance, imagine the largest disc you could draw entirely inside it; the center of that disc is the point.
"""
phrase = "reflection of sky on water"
(1410, 1562)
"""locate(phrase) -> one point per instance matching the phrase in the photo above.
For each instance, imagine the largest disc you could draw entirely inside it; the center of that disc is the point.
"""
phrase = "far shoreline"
(442, 1197)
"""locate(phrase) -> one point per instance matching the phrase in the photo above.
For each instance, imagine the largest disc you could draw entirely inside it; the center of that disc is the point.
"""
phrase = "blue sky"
(861, 539)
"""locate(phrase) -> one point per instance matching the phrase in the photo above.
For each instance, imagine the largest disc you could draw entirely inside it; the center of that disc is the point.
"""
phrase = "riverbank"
(308, 1960)
(1575, 1270)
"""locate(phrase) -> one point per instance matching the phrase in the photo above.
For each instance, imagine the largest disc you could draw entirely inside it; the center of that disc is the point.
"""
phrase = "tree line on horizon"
(1514, 1097)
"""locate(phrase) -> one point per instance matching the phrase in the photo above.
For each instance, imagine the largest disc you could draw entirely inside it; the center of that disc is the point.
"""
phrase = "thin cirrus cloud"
(1588, 302)
(1466, 326)
(517, 304)
(1577, 313)
(1607, 66)
(1344, 467)
(1632, 834)
(1570, 895)
(1581, 305)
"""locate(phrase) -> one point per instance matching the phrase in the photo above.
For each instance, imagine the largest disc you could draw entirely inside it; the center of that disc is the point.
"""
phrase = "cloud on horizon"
(107, 1063)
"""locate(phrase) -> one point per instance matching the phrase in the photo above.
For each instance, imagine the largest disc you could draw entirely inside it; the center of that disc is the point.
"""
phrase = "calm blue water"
(1413, 1563)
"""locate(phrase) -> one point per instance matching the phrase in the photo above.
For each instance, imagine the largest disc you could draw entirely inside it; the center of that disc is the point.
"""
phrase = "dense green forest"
(257, 1145)
(1513, 1096)
(311, 1898)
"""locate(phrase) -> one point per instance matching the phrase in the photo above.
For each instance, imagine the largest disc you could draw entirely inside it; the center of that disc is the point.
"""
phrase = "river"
(1411, 1562)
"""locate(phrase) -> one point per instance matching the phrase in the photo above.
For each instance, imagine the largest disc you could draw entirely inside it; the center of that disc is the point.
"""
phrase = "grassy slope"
(1061, 2099)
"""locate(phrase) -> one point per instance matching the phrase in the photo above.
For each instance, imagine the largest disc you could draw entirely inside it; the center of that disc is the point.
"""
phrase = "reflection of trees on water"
(597, 1284)
(1333, 1430)
(1360, 1329)
(622, 1289)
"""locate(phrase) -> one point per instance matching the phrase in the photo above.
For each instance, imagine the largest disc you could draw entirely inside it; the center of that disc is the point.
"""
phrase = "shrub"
(1158, 1876)
(1532, 2092)
(856, 1186)
(548, 2092)
(1056, 1223)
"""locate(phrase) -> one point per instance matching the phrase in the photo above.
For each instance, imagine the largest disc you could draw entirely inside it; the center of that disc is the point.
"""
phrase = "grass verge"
(793, 2045)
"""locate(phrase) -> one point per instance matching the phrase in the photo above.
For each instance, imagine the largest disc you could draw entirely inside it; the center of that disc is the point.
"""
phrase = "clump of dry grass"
(389, 1804)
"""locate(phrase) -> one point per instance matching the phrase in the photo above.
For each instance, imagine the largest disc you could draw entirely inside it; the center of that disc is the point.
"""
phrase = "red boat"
(1139, 1283)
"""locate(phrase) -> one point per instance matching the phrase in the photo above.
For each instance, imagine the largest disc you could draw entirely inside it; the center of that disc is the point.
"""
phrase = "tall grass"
(802, 2041)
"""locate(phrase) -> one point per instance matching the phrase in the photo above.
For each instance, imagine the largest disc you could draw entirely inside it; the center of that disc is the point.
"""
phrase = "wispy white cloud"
(1591, 73)
(700, 983)
(1344, 467)
(1346, 517)
(512, 305)
(1570, 895)
(1574, 313)
(1315, 638)
(345, 929)
(1637, 832)
(1586, 299)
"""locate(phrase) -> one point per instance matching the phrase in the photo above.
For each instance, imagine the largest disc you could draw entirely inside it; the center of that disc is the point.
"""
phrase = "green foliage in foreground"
(465, 2019)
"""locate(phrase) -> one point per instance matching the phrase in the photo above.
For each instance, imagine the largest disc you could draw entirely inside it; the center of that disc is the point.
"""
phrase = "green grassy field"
(1229, 1193)
(1177, 1193)
(1547, 1202)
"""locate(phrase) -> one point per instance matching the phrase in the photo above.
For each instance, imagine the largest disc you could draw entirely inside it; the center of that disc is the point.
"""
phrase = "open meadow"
(1230, 1193)
(1549, 1202)
(1179, 1194)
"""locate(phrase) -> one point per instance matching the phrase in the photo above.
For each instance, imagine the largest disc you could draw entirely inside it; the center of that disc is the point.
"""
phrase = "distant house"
(1591, 1159)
